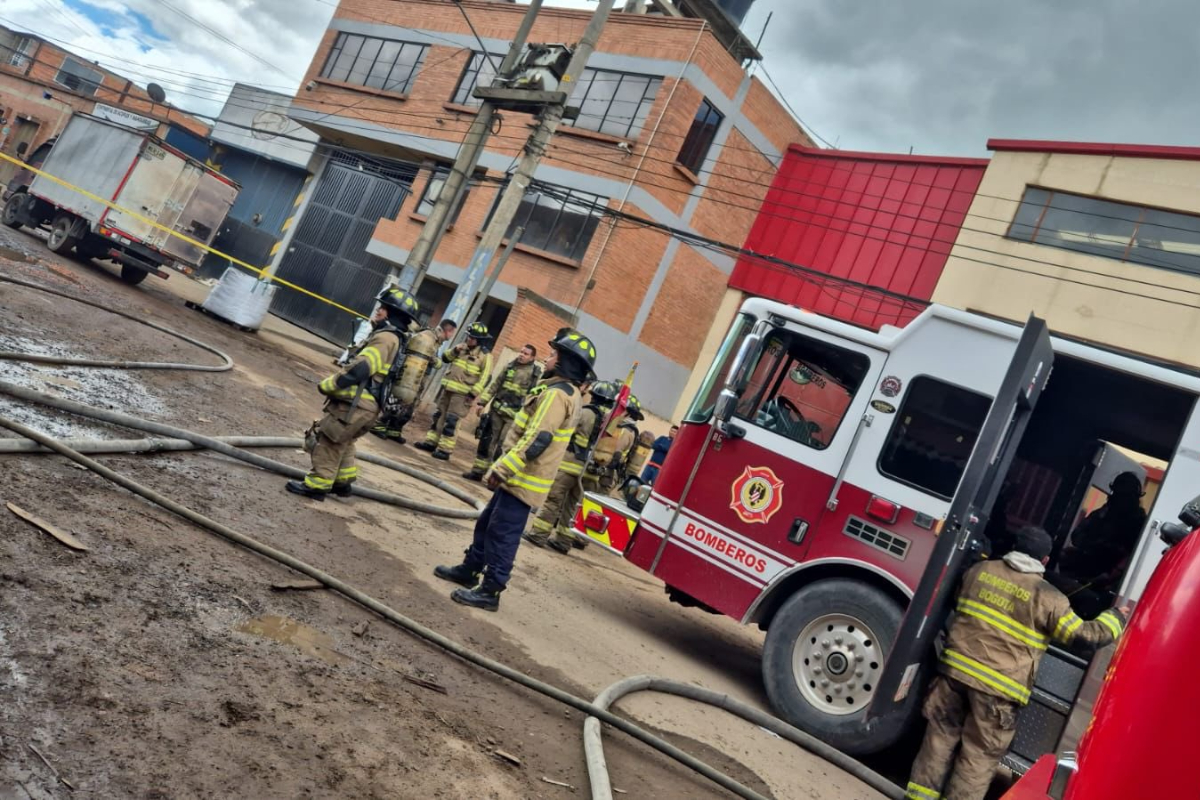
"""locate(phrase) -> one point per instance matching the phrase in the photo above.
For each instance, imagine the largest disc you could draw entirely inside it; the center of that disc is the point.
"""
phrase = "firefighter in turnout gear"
(521, 478)
(627, 439)
(353, 399)
(470, 365)
(1006, 617)
(554, 522)
(419, 355)
(506, 394)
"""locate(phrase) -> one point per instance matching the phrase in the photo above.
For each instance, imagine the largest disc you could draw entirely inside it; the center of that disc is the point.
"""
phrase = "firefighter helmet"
(605, 392)
(398, 301)
(478, 331)
(634, 409)
(579, 348)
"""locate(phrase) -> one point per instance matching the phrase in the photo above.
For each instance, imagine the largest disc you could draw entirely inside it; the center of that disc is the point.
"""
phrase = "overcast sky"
(940, 76)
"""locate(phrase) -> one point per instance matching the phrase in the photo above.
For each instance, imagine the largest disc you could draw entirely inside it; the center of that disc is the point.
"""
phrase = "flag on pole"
(622, 400)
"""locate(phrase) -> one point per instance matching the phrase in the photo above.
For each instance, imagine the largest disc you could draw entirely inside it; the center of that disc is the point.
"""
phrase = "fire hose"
(598, 711)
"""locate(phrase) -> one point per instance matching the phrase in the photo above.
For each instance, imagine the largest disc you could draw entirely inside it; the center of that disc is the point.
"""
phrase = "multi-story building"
(41, 84)
(672, 127)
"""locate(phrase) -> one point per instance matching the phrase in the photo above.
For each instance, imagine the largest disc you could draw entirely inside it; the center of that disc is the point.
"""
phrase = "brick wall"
(685, 307)
(533, 320)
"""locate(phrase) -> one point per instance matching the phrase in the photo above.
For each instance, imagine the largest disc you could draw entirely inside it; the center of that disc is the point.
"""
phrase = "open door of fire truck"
(967, 517)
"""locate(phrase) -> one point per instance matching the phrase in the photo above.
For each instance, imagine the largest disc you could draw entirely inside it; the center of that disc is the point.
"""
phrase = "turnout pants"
(451, 407)
(333, 456)
(557, 515)
(979, 725)
(492, 447)
(497, 537)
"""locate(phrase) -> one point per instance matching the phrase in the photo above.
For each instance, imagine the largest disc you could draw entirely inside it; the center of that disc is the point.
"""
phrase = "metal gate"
(327, 255)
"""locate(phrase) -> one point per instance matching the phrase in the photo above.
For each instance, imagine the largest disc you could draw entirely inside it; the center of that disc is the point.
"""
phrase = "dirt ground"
(161, 663)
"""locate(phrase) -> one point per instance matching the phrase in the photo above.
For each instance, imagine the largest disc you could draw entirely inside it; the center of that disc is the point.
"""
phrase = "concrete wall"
(1140, 308)
(267, 113)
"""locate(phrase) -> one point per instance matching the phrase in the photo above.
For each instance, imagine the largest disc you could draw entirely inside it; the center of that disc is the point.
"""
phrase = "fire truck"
(829, 484)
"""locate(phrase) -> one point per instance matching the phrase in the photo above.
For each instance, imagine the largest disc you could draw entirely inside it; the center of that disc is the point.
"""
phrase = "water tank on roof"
(735, 9)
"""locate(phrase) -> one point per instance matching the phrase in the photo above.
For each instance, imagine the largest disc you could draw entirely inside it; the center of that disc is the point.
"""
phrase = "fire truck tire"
(824, 649)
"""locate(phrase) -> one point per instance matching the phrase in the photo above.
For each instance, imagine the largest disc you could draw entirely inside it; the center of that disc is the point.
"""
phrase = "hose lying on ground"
(386, 612)
(211, 443)
(593, 746)
(225, 365)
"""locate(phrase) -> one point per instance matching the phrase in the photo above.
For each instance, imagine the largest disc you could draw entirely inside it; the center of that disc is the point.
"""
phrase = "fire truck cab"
(830, 483)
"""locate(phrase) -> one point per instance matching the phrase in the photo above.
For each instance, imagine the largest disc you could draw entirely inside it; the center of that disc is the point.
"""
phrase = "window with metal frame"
(616, 103)
(15, 50)
(933, 435)
(1122, 231)
(801, 387)
(479, 71)
(433, 189)
(384, 64)
(700, 137)
(78, 77)
(557, 221)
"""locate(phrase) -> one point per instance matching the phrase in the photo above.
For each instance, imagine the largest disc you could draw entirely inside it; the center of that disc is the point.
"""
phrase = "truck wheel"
(132, 275)
(823, 657)
(60, 240)
(12, 212)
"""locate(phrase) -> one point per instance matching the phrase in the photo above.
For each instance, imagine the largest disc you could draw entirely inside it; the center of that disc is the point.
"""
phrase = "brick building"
(41, 84)
(672, 128)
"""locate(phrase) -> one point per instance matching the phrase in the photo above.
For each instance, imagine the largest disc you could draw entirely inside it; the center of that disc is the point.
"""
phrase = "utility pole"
(550, 117)
(417, 263)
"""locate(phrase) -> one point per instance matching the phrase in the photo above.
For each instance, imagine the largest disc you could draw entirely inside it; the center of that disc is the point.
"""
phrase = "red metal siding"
(884, 220)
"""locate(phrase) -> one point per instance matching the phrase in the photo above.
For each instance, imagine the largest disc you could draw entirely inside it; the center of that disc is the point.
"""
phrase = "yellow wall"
(1151, 326)
(728, 309)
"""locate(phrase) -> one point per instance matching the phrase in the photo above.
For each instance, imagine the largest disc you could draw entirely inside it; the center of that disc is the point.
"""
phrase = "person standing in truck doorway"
(658, 454)
(1007, 615)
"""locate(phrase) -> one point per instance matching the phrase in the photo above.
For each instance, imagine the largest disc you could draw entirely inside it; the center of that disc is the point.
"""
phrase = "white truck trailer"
(145, 178)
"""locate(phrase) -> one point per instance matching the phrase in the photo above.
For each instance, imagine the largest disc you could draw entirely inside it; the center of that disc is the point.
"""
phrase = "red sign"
(757, 494)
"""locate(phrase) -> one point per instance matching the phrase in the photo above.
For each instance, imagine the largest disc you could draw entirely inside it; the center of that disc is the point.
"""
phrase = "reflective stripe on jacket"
(379, 352)
(552, 407)
(469, 370)
(573, 461)
(1006, 617)
(509, 388)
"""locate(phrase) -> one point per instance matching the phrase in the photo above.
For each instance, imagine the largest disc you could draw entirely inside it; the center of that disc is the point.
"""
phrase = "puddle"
(310, 641)
(13, 254)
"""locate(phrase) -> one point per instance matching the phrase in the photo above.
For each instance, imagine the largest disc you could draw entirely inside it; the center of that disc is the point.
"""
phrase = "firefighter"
(506, 394)
(470, 365)
(352, 399)
(1007, 615)
(521, 478)
(420, 351)
(638, 456)
(553, 524)
(613, 478)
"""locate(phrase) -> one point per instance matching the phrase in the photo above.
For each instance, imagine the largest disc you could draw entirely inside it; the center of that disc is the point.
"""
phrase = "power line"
(779, 94)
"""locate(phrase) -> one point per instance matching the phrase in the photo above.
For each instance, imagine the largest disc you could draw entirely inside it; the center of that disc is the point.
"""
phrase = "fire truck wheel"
(823, 656)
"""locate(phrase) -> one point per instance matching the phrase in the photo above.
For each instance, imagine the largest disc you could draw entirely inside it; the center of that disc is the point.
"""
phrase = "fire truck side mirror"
(726, 405)
(740, 369)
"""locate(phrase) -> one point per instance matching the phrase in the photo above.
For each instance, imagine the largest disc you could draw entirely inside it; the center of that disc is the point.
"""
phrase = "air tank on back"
(736, 10)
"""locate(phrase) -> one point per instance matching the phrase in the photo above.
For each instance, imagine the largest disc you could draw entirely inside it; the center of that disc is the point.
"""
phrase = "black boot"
(535, 539)
(441, 455)
(298, 487)
(341, 490)
(428, 447)
(473, 475)
(460, 574)
(486, 596)
(559, 546)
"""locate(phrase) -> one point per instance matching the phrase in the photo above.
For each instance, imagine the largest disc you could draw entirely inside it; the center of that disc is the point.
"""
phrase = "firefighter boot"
(460, 574)
(441, 455)
(486, 596)
(342, 489)
(428, 447)
(298, 487)
(559, 546)
(473, 475)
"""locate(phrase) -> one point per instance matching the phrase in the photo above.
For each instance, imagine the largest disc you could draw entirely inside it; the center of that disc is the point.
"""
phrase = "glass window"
(718, 374)
(559, 221)
(1121, 231)
(78, 77)
(478, 72)
(616, 103)
(933, 436)
(801, 387)
(378, 63)
(433, 190)
(700, 137)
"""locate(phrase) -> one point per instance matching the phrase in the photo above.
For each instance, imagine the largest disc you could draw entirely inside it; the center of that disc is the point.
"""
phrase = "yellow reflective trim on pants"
(986, 675)
(316, 482)
(1003, 623)
(542, 526)
(347, 473)
(1067, 625)
(481, 464)
(570, 468)
(916, 791)
(1112, 622)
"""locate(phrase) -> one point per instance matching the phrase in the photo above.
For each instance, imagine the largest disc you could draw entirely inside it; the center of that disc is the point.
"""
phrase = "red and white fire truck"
(830, 483)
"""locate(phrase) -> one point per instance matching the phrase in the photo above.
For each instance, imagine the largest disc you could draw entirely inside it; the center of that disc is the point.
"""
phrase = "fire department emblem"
(890, 386)
(757, 494)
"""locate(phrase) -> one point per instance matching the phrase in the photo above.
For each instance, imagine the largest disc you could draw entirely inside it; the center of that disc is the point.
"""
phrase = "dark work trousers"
(497, 536)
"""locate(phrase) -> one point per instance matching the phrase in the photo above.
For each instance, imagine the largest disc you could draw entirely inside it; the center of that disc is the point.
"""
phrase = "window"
(933, 436)
(718, 374)
(1109, 229)
(433, 189)
(801, 387)
(700, 137)
(15, 50)
(559, 221)
(378, 63)
(478, 72)
(78, 77)
(616, 103)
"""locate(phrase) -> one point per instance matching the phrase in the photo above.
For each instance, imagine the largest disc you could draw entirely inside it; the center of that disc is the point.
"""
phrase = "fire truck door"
(984, 473)
(756, 491)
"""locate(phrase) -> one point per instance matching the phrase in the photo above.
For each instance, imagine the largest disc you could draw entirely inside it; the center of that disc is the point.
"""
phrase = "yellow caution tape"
(261, 272)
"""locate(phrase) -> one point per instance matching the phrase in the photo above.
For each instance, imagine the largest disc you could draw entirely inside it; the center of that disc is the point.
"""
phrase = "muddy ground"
(161, 663)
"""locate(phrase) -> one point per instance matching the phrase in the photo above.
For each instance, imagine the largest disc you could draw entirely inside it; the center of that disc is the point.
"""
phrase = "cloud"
(945, 76)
